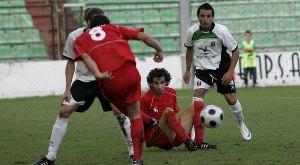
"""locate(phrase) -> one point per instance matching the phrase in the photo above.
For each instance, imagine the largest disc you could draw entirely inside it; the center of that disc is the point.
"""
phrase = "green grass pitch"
(93, 138)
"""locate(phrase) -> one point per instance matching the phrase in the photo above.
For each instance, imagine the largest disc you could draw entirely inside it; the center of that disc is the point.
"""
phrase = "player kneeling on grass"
(159, 103)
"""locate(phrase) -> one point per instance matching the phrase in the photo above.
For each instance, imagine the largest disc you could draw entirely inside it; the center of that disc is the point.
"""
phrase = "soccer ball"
(212, 116)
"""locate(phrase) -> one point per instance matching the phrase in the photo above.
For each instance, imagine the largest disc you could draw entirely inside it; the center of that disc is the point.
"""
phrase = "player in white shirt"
(215, 54)
(80, 96)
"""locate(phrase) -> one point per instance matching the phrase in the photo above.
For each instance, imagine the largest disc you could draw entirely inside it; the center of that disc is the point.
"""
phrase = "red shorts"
(160, 139)
(125, 87)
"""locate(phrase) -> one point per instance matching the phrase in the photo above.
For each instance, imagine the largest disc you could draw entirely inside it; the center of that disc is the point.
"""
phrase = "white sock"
(237, 112)
(193, 133)
(58, 132)
(125, 131)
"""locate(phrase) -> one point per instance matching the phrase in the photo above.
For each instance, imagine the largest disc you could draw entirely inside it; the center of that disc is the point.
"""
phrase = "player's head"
(205, 15)
(157, 79)
(99, 20)
(247, 35)
(89, 13)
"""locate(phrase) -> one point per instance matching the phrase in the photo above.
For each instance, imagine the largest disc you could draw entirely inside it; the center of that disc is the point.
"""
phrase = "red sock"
(137, 135)
(199, 131)
(176, 126)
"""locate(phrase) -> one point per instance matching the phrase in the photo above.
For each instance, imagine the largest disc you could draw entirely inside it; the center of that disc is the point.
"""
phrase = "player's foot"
(44, 161)
(205, 145)
(137, 162)
(190, 145)
(246, 134)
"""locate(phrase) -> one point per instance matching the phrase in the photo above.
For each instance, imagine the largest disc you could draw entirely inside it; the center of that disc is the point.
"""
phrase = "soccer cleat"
(205, 145)
(44, 161)
(246, 134)
(191, 145)
(137, 162)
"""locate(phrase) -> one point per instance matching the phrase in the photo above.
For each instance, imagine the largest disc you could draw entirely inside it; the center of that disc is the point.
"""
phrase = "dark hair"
(90, 12)
(248, 31)
(206, 6)
(99, 20)
(158, 72)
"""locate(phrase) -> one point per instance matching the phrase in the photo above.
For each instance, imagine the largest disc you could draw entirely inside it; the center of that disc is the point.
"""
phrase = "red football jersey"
(107, 45)
(154, 106)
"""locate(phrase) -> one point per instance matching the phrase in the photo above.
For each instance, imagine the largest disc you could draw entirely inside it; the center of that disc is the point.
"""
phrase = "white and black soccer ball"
(212, 116)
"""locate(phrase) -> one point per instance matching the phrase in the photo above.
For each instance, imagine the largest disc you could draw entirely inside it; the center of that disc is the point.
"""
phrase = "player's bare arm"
(189, 59)
(148, 40)
(228, 76)
(90, 63)
(69, 72)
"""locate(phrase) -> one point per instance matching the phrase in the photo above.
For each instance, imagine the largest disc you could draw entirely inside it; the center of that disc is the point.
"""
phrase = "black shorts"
(214, 76)
(88, 91)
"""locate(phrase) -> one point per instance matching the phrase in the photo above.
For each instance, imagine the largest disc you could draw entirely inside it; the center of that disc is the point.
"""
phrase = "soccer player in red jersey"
(159, 103)
(106, 52)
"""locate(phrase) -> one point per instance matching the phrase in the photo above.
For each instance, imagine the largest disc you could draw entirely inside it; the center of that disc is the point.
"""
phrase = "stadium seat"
(15, 36)
(151, 15)
(38, 50)
(6, 52)
(32, 35)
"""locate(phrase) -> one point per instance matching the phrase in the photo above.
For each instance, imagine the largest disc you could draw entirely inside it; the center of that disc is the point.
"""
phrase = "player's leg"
(246, 76)
(122, 119)
(57, 134)
(187, 119)
(253, 70)
(137, 129)
(170, 120)
(125, 124)
(82, 98)
(237, 111)
(170, 125)
(201, 85)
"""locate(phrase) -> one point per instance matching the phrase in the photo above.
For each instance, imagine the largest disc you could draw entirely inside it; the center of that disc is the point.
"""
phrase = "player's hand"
(66, 97)
(105, 76)
(158, 56)
(227, 77)
(186, 77)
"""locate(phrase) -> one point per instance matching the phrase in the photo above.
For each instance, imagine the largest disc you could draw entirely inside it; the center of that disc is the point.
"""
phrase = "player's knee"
(231, 101)
(64, 112)
(168, 110)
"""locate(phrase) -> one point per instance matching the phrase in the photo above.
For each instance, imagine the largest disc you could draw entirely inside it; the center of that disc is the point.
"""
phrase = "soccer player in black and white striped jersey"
(215, 54)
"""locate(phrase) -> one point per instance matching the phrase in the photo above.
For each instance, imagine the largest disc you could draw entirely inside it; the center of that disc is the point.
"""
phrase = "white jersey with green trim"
(81, 71)
(212, 49)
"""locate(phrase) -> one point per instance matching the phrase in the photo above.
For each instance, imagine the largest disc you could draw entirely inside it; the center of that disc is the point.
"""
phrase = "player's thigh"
(105, 104)
(225, 89)
(88, 103)
(133, 110)
(66, 110)
(164, 126)
(202, 82)
(230, 98)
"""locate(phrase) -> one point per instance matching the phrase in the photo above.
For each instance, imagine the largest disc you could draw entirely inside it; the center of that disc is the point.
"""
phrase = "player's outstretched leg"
(238, 113)
(58, 132)
(124, 123)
